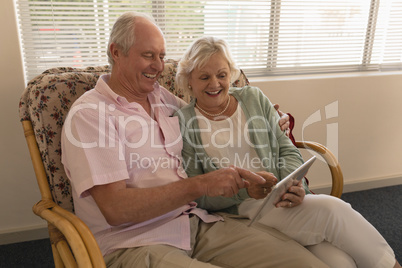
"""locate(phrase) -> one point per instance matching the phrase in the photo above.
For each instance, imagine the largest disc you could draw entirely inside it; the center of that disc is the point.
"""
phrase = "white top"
(227, 141)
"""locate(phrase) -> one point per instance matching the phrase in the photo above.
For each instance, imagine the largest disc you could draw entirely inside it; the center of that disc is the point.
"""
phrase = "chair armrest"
(86, 235)
(63, 230)
(63, 225)
(79, 238)
(333, 164)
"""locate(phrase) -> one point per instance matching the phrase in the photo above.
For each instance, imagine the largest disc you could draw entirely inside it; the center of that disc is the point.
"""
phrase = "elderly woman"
(226, 126)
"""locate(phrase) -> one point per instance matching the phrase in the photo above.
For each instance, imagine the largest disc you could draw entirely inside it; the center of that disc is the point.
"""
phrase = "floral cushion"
(46, 101)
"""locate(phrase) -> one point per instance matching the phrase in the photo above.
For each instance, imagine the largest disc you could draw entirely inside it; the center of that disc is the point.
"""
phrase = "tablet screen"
(281, 187)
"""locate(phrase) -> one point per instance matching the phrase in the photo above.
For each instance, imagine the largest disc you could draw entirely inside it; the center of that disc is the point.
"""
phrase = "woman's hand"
(259, 191)
(293, 197)
(284, 122)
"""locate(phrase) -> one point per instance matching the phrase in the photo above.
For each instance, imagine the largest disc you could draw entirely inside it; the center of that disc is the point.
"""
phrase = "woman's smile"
(213, 93)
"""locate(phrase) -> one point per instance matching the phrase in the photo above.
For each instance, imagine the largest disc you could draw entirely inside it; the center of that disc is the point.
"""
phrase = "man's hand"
(228, 181)
(259, 191)
(284, 121)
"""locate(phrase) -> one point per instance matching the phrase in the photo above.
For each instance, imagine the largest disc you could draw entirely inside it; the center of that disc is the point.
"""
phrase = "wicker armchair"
(43, 107)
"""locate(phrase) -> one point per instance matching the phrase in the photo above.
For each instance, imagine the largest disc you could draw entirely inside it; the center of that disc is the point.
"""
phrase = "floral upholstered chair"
(44, 105)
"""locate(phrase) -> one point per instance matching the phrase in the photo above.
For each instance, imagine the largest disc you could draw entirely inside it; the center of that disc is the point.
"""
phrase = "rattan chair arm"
(58, 262)
(64, 252)
(333, 164)
(36, 160)
(43, 207)
(70, 233)
(86, 235)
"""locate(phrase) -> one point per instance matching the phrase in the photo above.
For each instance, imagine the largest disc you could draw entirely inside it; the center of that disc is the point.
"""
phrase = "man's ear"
(115, 51)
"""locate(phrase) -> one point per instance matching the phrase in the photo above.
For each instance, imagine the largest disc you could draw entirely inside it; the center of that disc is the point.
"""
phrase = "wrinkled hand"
(293, 197)
(259, 191)
(284, 122)
(228, 181)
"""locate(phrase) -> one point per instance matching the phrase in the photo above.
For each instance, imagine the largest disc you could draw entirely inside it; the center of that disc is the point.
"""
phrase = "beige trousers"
(222, 244)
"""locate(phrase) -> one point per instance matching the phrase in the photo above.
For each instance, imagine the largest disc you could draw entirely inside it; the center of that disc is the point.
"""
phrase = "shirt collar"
(103, 88)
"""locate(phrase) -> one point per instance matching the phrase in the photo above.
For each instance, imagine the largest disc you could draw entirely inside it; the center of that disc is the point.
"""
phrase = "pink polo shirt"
(106, 139)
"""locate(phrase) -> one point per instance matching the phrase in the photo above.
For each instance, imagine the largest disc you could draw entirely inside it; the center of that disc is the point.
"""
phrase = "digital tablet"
(281, 188)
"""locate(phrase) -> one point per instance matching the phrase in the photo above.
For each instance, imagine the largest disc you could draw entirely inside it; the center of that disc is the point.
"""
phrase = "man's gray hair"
(122, 33)
(198, 54)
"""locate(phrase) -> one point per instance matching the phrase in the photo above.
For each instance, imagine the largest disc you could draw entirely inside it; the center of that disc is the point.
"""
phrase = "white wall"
(18, 190)
(368, 140)
(369, 144)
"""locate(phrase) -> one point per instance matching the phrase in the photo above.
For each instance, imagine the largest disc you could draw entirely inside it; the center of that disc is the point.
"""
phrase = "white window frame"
(372, 56)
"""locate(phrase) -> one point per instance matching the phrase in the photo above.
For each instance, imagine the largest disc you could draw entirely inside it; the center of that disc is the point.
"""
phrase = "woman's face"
(210, 84)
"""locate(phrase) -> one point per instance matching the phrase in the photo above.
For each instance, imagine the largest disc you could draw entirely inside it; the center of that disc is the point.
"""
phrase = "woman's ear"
(190, 90)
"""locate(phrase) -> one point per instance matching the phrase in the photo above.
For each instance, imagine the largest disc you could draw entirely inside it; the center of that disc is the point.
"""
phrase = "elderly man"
(122, 152)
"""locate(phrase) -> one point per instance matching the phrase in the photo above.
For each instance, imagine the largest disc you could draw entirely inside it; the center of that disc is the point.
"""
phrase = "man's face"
(145, 60)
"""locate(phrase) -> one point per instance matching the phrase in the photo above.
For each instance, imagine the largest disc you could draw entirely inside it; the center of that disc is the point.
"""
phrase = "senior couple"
(196, 215)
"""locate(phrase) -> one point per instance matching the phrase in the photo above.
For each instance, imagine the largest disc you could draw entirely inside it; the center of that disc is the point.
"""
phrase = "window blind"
(266, 37)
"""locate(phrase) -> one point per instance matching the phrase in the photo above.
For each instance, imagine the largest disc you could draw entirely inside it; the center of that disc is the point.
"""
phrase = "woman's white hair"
(198, 54)
(122, 33)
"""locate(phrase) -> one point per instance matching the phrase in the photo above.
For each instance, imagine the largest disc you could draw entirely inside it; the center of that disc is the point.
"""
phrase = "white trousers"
(321, 219)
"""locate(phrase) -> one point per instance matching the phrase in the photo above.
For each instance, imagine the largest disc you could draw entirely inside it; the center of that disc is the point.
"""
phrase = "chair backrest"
(46, 101)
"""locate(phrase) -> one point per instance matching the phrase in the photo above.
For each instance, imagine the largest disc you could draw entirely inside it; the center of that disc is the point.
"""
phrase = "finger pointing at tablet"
(250, 176)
